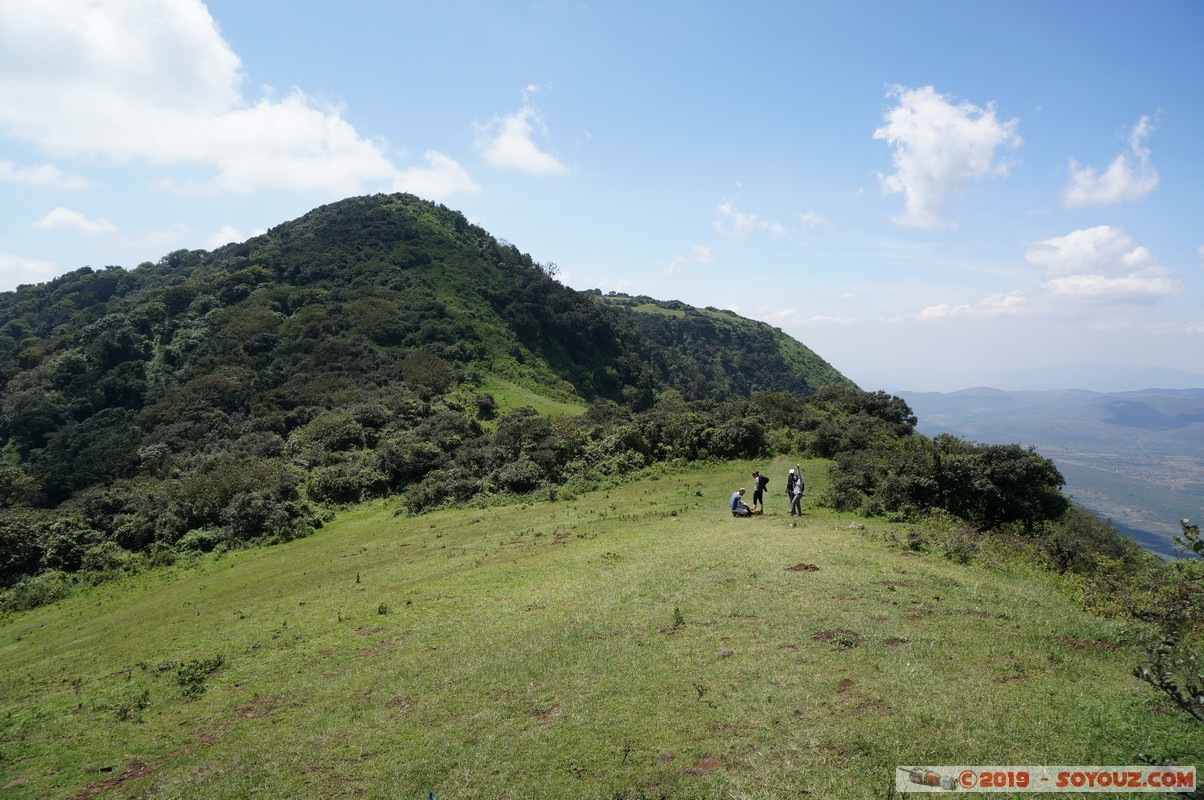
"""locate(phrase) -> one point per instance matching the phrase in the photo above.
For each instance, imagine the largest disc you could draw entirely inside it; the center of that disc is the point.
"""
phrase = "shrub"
(38, 590)
(21, 547)
(346, 482)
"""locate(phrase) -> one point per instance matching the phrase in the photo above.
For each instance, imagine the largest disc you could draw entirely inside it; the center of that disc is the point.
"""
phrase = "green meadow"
(637, 642)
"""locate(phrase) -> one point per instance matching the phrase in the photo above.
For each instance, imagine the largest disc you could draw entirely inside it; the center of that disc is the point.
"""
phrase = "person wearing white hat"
(795, 478)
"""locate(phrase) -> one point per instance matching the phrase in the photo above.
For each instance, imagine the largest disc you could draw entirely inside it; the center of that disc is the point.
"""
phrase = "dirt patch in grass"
(803, 568)
(708, 764)
(844, 685)
(871, 707)
(135, 770)
(545, 714)
(979, 614)
(895, 641)
(208, 737)
(840, 638)
(260, 707)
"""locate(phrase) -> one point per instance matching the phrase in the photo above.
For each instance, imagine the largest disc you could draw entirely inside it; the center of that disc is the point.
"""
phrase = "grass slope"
(634, 643)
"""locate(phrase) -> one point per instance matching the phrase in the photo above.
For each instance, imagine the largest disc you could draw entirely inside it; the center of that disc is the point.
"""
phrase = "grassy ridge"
(633, 643)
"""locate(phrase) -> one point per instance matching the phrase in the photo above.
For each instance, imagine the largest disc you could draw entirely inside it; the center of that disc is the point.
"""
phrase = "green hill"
(228, 396)
(525, 582)
(637, 642)
(706, 349)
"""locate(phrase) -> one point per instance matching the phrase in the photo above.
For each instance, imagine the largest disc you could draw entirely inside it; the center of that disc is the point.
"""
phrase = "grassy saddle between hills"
(638, 642)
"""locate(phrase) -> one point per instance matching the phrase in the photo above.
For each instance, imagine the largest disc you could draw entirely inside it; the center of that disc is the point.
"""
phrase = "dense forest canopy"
(377, 347)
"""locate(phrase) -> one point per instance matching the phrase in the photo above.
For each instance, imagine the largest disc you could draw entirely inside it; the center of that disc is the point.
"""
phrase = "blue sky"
(931, 195)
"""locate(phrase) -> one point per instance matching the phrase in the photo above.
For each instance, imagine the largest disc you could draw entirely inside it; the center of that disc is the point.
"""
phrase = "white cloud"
(227, 234)
(155, 82)
(1128, 178)
(1100, 263)
(43, 176)
(736, 224)
(812, 221)
(66, 219)
(939, 148)
(15, 270)
(1102, 248)
(820, 320)
(1093, 272)
(508, 142)
(679, 264)
(442, 179)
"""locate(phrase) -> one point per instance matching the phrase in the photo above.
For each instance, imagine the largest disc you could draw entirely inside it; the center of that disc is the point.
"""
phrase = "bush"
(106, 557)
(21, 547)
(346, 482)
(203, 540)
(38, 590)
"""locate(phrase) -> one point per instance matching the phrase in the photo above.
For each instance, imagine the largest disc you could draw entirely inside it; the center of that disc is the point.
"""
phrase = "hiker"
(790, 479)
(796, 496)
(739, 507)
(759, 483)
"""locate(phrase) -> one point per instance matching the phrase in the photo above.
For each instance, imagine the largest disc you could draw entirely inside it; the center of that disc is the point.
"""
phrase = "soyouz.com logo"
(1045, 779)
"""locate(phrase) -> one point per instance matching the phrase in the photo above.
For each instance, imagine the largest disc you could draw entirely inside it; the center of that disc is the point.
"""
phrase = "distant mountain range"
(1105, 378)
(1134, 457)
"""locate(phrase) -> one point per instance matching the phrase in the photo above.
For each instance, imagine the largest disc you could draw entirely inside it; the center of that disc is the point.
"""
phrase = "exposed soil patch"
(708, 764)
(844, 685)
(838, 636)
(368, 631)
(803, 568)
(260, 707)
(325, 653)
(979, 614)
(871, 707)
(545, 714)
(1011, 678)
(895, 641)
(135, 770)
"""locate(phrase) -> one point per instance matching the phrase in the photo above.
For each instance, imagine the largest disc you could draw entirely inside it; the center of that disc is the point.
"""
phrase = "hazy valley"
(1136, 457)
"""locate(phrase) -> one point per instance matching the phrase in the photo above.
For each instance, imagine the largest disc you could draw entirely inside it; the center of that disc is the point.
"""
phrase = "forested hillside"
(384, 347)
(217, 397)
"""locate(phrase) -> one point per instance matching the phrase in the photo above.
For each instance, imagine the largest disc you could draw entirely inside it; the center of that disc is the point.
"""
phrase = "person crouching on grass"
(739, 507)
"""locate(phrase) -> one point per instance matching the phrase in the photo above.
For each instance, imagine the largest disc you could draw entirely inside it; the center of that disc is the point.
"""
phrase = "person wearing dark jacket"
(796, 493)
